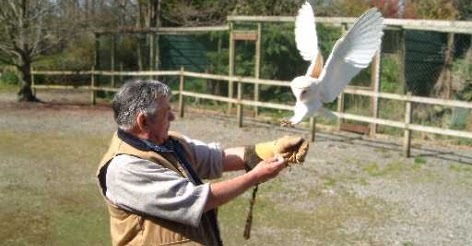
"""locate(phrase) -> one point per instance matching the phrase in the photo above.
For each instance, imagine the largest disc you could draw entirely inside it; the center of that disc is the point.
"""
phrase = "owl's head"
(302, 88)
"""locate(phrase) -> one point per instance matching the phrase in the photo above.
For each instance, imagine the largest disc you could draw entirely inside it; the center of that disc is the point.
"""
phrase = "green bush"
(390, 74)
(9, 78)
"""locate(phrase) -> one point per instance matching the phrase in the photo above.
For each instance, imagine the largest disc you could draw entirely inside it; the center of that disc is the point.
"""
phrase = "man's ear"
(142, 122)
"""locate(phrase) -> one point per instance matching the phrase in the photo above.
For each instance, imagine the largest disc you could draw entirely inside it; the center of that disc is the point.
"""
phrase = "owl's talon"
(286, 123)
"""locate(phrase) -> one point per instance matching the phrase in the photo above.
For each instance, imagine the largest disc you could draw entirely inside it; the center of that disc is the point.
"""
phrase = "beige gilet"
(133, 229)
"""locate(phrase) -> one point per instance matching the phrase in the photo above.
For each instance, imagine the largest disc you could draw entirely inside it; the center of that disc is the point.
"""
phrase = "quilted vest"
(136, 229)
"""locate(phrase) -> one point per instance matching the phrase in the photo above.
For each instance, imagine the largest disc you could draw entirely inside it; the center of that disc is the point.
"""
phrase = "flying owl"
(350, 54)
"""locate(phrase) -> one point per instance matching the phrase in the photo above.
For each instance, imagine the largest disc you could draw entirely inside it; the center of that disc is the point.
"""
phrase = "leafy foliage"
(262, 7)
(463, 78)
(436, 9)
(9, 75)
(352, 7)
(390, 74)
(280, 57)
(465, 9)
(79, 55)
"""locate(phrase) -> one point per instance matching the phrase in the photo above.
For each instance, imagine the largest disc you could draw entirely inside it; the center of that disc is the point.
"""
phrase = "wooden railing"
(406, 125)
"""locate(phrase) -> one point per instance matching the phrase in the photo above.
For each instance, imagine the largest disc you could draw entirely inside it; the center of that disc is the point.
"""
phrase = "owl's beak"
(300, 84)
(304, 94)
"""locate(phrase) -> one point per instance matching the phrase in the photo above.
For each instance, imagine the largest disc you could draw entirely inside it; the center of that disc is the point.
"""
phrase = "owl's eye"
(303, 94)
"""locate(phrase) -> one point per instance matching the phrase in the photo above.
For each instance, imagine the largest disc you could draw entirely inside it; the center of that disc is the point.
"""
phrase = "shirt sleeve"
(208, 158)
(142, 186)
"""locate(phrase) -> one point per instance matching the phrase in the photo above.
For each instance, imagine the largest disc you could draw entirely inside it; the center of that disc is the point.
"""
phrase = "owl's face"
(302, 89)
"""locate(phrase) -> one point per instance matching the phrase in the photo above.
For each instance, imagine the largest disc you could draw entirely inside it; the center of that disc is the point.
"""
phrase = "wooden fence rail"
(452, 26)
(408, 99)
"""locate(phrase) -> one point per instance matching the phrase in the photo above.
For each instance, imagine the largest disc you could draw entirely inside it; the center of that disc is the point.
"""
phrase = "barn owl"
(350, 54)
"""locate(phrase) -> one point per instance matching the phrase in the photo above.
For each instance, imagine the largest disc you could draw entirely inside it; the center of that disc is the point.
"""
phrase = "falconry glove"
(292, 148)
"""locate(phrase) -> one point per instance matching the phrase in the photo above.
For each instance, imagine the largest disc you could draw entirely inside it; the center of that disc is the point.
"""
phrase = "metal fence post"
(181, 90)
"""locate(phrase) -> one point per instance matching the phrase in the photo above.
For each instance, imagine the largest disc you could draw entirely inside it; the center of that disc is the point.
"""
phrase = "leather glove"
(292, 148)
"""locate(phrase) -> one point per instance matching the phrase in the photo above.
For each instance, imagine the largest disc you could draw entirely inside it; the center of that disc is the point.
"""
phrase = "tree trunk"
(443, 86)
(25, 94)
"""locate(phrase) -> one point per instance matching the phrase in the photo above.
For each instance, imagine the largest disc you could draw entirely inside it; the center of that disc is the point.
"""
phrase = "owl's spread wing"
(305, 33)
(306, 39)
(351, 53)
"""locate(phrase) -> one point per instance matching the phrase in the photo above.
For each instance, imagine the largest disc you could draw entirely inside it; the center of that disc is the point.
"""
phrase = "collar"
(145, 145)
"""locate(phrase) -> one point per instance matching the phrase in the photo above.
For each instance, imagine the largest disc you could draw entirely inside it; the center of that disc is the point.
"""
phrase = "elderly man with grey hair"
(151, 177)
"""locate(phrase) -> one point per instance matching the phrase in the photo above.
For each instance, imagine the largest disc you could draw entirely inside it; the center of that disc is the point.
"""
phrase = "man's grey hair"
(137, 96)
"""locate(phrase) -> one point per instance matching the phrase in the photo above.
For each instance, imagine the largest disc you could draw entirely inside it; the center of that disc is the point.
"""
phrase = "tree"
(389, 8)
(24, 36)
(33, 29)
(268, 8)
(436, 9)
(149, 11)
(465, 9)
(195, 13)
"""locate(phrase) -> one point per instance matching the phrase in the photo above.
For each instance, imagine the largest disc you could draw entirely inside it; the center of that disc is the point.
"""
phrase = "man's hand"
(269, 169)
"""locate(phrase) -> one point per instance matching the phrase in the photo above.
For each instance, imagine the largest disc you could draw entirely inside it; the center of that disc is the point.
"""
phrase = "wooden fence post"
(313, 128)
(257, 68)
(340, 106)
(407, 132)
(181, 96)
(375, 77)
(92, 87)
(239, 113)
(230, 65)
(112, 59)
(340, 109)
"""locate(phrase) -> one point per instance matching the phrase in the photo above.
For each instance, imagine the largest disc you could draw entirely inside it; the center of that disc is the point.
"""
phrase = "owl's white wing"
(305, 33)
(351, 53)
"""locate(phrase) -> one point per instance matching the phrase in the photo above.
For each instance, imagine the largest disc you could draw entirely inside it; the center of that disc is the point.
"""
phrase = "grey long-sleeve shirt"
(141, 186)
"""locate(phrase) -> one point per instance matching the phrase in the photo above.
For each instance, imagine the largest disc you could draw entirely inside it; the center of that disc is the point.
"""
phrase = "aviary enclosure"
(420, 82)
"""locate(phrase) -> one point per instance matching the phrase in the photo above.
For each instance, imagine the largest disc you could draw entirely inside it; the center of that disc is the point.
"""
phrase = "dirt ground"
(352, 190)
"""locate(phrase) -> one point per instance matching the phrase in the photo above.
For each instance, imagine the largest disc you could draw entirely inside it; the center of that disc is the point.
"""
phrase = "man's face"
(159, 123)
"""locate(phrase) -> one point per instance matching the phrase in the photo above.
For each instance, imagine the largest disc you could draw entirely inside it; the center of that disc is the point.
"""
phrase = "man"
(151, 177)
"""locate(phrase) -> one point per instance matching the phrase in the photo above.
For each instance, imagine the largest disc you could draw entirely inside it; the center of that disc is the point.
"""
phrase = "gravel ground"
(423, 200)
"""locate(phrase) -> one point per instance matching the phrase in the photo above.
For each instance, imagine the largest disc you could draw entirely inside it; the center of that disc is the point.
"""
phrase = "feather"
(306, 38)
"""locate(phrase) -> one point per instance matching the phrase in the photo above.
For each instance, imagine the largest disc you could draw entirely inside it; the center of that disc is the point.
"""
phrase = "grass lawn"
(48, 195)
